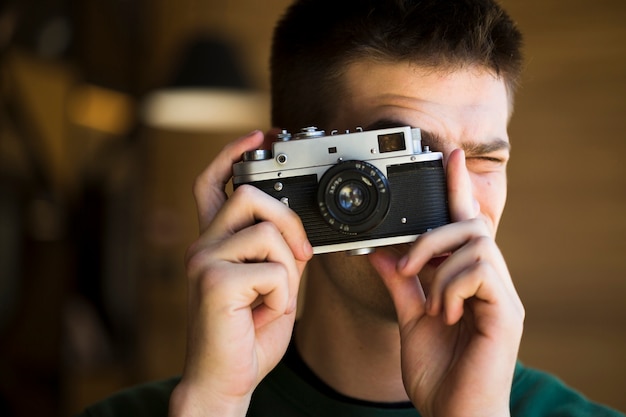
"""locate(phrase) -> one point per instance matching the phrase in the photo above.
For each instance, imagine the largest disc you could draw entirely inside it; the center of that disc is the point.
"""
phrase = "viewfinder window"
(391, 142)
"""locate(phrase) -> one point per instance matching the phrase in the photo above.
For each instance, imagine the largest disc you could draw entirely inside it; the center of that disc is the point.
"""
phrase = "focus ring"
(353, 197)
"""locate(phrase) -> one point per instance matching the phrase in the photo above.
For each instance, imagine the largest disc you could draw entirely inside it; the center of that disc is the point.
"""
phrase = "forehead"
(468, 101)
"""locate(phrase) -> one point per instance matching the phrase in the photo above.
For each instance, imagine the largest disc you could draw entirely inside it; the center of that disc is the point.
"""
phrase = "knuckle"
(211, 283)
(209, 280)
(200, 262)
(199, 186)
(196, 186)
(484, 243)
(483, 270)
(195, 261)
(190, 254)
(485, 251)
(267, 229)
(476, 274)
(246, 192)
(193, 264)
(279, 271)
(480, 224)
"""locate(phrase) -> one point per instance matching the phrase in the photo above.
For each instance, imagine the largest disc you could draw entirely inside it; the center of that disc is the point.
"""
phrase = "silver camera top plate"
(319, 150)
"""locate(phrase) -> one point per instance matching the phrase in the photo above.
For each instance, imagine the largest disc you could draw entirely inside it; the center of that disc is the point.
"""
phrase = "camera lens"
(353, 197)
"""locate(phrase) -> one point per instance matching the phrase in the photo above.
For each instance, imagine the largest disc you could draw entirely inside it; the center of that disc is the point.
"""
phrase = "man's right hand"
(244, 272)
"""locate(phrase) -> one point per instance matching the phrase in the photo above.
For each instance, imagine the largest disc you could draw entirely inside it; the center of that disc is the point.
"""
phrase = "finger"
(274, 293)
(236, 295)
(249, 205)
(467, 284)
(209, 185)
(480, 249)
(406, 291)
(462, 204)
(438, 242)
(262, 243)
(473, 282)
(480, 288)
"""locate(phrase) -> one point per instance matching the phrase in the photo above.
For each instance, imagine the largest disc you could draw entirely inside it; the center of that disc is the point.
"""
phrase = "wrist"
(194, 402)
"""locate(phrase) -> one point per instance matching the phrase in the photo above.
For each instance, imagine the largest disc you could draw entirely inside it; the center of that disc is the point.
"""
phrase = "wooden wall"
(564, 230)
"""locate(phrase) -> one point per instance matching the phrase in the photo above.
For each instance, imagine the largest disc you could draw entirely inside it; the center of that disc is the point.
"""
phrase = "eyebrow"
(494, 145)
(385, 124)
(436, 142)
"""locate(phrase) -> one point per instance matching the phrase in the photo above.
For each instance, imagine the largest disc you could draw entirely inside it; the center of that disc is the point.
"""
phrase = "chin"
(356, 285)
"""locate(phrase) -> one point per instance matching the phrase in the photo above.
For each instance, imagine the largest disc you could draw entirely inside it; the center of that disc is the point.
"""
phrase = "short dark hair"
(316, 39)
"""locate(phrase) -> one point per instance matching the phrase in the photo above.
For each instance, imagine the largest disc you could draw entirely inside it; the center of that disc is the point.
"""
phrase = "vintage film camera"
(353, 191)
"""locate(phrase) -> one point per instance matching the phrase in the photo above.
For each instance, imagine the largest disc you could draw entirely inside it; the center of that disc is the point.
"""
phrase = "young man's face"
(465, 108)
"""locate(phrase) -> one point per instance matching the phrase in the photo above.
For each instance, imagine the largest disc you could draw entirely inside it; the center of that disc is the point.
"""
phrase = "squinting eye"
(495, 160)
(485, 163)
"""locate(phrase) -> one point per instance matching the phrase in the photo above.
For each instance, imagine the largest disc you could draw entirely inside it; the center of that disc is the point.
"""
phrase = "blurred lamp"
(208, 93)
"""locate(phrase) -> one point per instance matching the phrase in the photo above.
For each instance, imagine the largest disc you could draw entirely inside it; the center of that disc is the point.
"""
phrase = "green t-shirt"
(285, 392)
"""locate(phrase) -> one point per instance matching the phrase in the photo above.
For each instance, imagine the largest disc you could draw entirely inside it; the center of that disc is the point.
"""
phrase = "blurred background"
(108, 111)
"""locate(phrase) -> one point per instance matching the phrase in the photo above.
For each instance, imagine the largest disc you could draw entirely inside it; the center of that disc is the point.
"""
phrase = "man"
(432, 328)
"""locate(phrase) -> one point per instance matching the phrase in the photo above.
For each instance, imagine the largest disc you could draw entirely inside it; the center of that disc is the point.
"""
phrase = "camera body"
(353, 191)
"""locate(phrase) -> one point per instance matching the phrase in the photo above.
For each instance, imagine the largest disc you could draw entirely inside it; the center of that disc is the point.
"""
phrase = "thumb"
(209, 187)
(406, 291)
(463, 205)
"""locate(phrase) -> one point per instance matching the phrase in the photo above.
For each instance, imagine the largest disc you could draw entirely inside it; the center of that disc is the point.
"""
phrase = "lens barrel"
(353, 197)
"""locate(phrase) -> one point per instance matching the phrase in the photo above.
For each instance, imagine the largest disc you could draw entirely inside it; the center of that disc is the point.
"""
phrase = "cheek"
(490, 192)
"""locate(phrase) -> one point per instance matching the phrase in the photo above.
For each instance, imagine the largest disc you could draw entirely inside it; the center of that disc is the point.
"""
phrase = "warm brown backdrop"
(563, 232)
